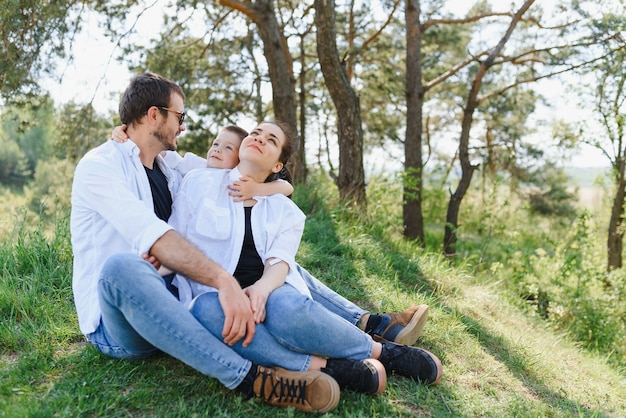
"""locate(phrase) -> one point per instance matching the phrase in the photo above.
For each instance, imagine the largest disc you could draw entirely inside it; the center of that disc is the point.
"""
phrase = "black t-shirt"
(250, 266)
(161, 195)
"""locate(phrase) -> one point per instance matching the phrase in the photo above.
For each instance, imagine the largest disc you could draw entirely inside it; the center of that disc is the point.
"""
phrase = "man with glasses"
(121, 200)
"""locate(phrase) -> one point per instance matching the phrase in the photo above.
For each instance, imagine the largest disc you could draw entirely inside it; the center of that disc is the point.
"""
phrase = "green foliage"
(13, 164)
(29, 122)
(553, 269)
(80, 128)
(32, 34)
(554, 198)
(555, 201)
(49, 192)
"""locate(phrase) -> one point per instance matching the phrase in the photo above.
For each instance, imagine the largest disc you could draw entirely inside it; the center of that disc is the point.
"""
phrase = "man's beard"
(163, 139)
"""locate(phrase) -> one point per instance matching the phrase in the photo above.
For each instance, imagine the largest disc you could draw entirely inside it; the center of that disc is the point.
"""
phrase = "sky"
(95, 75)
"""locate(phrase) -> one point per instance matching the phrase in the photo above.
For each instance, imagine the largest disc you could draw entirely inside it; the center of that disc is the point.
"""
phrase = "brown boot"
(402, 328)
(305, 391)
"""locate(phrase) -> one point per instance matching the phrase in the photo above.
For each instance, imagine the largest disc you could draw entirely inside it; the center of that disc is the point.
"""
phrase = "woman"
(256, 240)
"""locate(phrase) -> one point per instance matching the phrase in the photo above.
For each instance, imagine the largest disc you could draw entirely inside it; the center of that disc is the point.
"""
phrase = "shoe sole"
(413, 330)
(439, 368)
(382, 375)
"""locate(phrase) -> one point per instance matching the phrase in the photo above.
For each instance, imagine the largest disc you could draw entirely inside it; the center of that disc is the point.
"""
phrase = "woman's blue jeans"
(330, 299)
(294, 323)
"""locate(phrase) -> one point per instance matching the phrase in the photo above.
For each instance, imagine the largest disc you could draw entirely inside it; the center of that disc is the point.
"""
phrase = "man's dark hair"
(146, 90)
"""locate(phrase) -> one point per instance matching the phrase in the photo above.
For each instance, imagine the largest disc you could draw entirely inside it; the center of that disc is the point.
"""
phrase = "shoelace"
(285, 390)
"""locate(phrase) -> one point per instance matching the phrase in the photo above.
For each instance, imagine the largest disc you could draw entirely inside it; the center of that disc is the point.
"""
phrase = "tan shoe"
(404, 327)
(305, 391)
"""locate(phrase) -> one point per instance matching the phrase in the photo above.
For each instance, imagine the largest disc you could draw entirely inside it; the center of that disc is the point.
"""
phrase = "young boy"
(224, 154)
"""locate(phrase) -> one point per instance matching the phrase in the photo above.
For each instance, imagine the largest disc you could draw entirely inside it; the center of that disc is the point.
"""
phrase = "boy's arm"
(119, 134)
(246, 188)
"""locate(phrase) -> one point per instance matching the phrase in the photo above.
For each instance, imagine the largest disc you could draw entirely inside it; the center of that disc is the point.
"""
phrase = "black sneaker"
(416, 363)
(366, 376)
(305, 391)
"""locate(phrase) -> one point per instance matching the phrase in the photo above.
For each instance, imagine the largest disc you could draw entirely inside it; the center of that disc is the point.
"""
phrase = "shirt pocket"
(213, 221)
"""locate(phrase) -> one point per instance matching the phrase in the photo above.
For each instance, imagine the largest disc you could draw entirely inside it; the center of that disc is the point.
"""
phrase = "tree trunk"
(302, 104)
(280, 67)
(467, 169)
(413, 166)
(616, 229)
(351, 179)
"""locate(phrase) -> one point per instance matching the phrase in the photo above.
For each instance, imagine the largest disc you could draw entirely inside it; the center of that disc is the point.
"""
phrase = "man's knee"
(207, 307)
(127, 269)
(119, 263)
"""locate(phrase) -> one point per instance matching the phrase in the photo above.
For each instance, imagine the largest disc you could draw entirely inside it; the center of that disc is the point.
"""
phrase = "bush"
(13, 164)
(556, 201)
(50, 190)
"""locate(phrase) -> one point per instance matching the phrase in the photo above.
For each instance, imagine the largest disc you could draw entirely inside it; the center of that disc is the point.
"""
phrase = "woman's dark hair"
(283, 174)
(286, 151)
(146, 90)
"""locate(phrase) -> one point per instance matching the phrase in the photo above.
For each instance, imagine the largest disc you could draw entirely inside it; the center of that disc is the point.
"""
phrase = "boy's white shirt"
(183, 165)
(208, 217)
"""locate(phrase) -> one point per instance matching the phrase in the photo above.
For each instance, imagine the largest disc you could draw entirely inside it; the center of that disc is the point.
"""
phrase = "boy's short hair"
(237, 130)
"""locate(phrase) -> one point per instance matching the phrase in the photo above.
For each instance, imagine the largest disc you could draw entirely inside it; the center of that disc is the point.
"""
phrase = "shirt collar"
(234, 174)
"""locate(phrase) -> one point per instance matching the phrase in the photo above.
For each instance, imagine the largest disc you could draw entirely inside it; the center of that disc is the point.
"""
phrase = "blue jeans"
(294, 324)
(332, 301)
(140, 316)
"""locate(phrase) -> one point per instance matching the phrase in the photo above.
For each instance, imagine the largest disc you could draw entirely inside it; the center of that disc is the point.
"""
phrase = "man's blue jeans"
(139, 316)
(294, 322)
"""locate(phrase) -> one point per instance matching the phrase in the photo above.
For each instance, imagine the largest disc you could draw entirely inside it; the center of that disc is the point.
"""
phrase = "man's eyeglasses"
(181, 115)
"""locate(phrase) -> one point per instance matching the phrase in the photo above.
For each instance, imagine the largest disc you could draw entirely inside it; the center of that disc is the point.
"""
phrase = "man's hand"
(238, 321)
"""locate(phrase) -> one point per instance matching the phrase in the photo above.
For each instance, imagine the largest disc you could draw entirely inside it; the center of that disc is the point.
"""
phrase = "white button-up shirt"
(112, 212)
(207, 216)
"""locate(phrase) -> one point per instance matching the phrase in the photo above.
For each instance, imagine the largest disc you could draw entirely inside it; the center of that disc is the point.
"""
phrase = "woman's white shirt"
(207, 216)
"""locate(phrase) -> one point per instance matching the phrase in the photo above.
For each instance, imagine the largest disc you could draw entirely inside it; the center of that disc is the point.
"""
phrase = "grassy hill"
(500, 358)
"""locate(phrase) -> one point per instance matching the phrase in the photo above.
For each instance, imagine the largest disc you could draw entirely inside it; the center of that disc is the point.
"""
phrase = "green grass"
(500, 358)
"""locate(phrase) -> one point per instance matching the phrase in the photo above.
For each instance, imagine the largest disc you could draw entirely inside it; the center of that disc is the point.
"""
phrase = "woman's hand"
(273, 277)
(258, 294)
